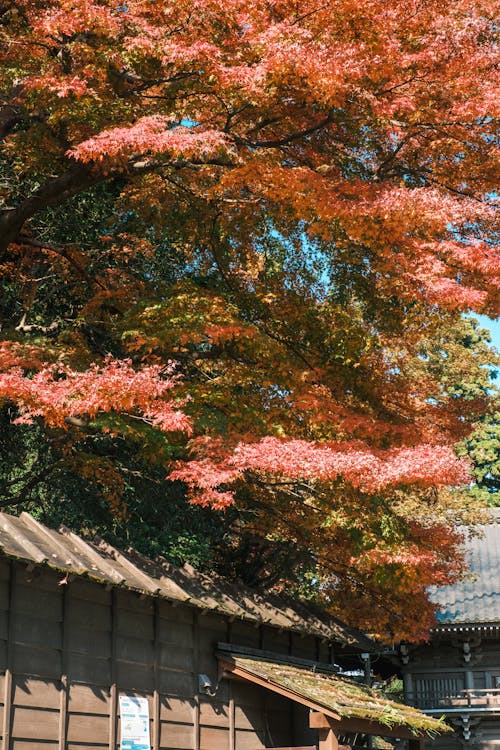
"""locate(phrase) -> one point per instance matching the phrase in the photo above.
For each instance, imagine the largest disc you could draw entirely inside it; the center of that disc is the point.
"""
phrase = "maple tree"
(240, 238)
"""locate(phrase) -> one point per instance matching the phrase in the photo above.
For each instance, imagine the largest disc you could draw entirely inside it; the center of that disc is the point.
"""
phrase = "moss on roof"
(346, 697)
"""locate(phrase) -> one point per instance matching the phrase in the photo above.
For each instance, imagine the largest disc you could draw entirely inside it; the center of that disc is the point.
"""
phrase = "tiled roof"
(25, 538)
(476, 599)
(338, 697)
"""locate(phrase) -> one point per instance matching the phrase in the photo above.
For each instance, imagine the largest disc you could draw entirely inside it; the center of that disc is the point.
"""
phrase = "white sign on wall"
(134, 713)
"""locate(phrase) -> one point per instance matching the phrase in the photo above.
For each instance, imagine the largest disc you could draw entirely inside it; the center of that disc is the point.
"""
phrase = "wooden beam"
(374, 727)
(327, 730)
(319, 720)
(328, 740)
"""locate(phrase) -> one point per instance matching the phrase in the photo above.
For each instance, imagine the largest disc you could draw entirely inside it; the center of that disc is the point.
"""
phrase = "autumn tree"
(237, 240)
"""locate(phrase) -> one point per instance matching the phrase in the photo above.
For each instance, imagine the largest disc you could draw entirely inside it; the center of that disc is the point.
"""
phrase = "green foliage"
(483, 448)
(152, 515)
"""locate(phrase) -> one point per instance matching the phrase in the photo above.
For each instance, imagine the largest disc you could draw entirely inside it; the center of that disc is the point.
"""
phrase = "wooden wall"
(439, 663)
(67, 650)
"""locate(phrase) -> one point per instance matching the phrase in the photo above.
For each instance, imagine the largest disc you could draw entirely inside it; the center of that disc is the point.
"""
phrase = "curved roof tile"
(476, 598)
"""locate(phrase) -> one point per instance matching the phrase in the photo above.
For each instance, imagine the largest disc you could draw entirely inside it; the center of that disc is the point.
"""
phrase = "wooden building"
(97, 646)
(457, 674)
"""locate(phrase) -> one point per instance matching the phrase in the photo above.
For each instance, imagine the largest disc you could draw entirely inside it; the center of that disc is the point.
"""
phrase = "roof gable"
(335, 696)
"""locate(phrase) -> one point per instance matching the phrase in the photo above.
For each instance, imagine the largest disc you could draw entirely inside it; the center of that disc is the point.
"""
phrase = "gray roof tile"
(476, 598)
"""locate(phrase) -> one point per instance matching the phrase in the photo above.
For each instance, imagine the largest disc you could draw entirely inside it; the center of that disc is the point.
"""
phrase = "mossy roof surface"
(346, 697)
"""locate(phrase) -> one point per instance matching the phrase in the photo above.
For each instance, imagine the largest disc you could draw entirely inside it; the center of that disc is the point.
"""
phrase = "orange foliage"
(307, 206)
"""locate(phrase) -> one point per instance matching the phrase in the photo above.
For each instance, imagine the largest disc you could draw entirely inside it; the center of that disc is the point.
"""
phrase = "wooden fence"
(67, 651)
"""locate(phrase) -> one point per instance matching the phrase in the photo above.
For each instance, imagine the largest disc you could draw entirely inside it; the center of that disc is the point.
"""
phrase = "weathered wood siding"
(67, 650)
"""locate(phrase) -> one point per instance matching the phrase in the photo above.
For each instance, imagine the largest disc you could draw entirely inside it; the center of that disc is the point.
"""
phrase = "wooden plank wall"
(442, 659)
(68, 650)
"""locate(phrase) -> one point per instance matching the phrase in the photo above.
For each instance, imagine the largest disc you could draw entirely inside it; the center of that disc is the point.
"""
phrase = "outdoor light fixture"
(206, 686)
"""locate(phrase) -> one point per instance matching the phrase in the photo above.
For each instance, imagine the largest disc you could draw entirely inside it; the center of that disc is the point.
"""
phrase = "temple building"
(457, 674)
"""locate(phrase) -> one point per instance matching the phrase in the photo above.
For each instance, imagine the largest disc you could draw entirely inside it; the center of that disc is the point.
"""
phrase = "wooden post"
(113, 697)
(416, 745)
(196, 693)
(328, 740)
(7, 698)
(232, 720)
(63, 702)
(156, 671)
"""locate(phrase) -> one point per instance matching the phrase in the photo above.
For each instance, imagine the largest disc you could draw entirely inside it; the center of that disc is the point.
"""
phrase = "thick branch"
(64, 252)
(56, 190)
(286, 139)
(10, 114)
(24, 327)
(22, 495)
(78, 178)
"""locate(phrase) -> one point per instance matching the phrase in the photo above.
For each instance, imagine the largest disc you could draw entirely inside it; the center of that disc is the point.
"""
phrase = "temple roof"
(474, 600)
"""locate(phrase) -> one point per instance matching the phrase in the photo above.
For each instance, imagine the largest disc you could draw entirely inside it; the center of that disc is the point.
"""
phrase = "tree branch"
(23, 327)
(78, 178)
(20, 497)
(63, 252)
(10, 114)
(284, 140)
